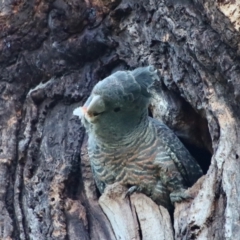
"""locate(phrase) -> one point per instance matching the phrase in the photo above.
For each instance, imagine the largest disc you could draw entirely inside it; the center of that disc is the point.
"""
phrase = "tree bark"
(53, 52)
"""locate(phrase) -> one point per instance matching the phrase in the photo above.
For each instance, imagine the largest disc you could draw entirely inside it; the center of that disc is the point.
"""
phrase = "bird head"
(118, 103)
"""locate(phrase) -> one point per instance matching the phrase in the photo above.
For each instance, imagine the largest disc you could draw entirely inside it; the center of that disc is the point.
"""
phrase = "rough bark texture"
(51, 55)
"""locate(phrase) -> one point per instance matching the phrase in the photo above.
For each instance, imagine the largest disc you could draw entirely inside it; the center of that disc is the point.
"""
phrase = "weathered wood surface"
(51, 55)
(154, 221)
(120, 213)
(135, 218)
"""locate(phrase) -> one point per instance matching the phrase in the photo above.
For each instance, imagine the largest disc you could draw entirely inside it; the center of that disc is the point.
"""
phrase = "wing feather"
(184, 161)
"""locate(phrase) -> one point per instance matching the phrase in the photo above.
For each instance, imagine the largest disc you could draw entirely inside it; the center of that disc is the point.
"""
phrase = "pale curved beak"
(96, 105)
(84, 110)
(91, 109)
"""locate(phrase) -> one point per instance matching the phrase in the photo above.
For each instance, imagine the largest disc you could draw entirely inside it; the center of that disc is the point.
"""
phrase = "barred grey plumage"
(127, 146)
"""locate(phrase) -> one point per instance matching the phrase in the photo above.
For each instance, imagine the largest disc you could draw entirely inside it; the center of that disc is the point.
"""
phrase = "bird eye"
(117, 109)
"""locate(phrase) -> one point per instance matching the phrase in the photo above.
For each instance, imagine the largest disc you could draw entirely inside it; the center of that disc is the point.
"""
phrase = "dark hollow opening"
(203, 156)
(198, 140)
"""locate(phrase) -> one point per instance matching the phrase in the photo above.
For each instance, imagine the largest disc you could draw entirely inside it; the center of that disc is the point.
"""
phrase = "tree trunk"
(54, 52)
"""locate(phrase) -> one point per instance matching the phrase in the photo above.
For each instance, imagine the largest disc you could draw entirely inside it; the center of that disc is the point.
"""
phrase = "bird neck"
(121, 135)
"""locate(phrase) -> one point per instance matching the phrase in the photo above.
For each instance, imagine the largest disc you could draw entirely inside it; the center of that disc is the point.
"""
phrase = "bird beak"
(91, 109)
(96, 105)
(84, 109)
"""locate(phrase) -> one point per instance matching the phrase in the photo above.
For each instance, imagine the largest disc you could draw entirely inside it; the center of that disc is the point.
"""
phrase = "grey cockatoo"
(127, 146)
